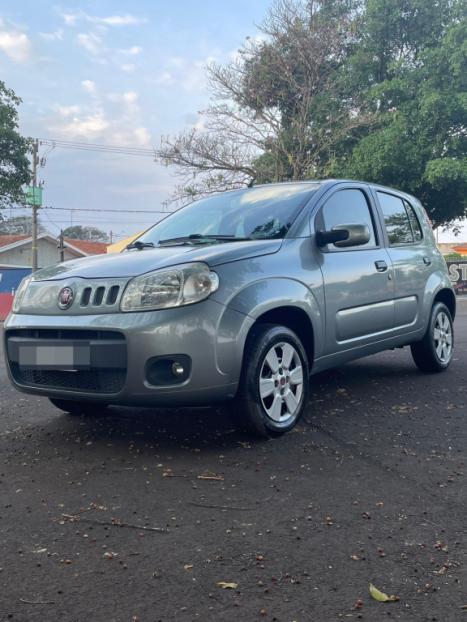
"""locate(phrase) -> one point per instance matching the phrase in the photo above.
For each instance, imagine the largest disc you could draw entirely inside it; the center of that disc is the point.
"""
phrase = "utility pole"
(111, 236)
(35, 162)
(61, 247)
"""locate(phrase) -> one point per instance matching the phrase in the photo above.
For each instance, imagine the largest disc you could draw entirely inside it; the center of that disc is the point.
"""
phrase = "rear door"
(358, 281)
(409, 256)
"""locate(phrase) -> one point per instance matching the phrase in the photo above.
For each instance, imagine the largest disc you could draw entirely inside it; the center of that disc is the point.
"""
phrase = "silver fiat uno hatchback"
(237, 297)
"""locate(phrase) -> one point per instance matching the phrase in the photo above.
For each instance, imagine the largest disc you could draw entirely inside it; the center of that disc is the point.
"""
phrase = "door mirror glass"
(344, 236)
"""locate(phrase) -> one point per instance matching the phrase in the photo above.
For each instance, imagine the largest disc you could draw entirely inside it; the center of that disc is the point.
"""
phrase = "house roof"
(87, 247)
(81, 247)
(6, 240)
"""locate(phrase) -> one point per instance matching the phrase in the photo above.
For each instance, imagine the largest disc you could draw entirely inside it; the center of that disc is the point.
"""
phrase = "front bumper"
(209, 333)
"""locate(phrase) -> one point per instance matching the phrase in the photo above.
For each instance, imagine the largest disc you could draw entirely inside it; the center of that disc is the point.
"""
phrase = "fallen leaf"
(211, 475)
(188, 566)
(227, 586)
(355, 558)
(381, 596)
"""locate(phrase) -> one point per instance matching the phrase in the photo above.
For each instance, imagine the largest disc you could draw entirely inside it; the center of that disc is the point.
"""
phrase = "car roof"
(335, 182)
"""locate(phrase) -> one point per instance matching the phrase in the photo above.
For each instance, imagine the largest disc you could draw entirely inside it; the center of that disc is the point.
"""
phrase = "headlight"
(19, 294)
(174, 287)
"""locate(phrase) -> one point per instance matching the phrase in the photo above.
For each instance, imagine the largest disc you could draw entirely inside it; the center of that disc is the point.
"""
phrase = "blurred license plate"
(55, 356)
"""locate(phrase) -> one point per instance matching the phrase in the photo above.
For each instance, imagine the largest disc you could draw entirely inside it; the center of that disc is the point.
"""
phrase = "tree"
(14, 164)
(92, 234)
(277, 109)
(368, 89)
(17, 225)
(417, 86)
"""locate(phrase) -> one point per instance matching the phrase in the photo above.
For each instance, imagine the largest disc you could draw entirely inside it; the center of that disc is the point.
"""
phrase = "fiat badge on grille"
(65, 298)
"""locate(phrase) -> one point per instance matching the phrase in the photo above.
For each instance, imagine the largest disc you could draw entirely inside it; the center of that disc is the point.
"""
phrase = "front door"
(358, 281)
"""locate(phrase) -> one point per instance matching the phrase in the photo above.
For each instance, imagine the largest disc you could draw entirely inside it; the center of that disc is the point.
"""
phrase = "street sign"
(458, 276)
(34, 196)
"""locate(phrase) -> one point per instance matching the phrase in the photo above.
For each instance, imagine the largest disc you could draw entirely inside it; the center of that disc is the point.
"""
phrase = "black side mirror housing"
(344, 236)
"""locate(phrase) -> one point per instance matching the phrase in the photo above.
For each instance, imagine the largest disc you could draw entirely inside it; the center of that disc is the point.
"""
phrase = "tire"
(277, 408)
(73, 407)
(433, 354)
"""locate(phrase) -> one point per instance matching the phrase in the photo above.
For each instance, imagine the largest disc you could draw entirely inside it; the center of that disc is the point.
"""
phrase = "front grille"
(96, 296)
(108, 369)
(99, 381)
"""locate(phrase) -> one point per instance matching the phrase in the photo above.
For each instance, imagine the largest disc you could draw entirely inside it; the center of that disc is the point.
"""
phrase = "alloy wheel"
(281, 382)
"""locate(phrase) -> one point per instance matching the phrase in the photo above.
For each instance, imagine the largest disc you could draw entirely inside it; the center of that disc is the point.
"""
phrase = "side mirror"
(344, 236)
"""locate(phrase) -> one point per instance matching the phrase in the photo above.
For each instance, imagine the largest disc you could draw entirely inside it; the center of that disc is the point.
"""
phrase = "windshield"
(253, 213)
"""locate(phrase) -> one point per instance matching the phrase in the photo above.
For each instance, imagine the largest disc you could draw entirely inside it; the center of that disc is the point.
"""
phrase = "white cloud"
(68, 111)
(117, 20)
(142, 136)
(186, 73)
(16, 45)
(128, 67)
(57, 35)
(89, 86)
(90, 42)
(164, 78)
(70, 19)
(89, 126)
(128, 99)
(133, 51)
(117, 123)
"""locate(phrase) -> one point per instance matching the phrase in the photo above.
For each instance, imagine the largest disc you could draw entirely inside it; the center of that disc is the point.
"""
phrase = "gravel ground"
(137, 516)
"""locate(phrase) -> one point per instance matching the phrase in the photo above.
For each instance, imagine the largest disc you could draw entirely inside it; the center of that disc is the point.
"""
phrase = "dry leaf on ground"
(381, 596)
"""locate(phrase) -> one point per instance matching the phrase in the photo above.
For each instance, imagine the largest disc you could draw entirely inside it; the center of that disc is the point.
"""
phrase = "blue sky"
(119, 73)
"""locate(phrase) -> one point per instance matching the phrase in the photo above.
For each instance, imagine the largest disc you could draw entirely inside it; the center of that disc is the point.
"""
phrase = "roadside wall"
(10, 278)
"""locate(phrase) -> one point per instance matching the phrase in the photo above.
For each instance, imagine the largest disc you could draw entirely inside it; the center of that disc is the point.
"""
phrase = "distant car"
(238, 297)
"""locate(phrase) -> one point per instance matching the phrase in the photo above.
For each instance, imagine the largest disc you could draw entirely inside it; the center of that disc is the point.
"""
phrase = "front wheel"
(74, 407)
(273, 388)
(434, 352)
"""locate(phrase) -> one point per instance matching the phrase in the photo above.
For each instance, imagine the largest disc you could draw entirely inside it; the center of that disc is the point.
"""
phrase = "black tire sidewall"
(264, 339)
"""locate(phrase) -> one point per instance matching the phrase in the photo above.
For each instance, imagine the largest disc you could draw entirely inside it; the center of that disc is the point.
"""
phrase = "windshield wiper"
(200, 238)
(140, 245)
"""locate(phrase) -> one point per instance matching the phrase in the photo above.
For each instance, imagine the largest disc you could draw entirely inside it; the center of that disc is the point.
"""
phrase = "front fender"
(253, 301)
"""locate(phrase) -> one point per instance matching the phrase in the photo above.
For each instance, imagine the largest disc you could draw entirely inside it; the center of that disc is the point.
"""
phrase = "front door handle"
(381, 266)
(427, 261)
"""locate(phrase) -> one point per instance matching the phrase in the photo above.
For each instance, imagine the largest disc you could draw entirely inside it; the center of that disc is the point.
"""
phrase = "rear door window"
(416, 228)
(396, 219)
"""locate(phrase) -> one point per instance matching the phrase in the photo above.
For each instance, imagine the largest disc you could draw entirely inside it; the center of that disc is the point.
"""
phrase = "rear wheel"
(434, 352)
(273, 388)
(74, 407)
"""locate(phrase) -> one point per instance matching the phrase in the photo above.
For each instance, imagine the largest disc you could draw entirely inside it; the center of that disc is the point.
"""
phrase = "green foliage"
(14, 164)
(419, 70)
(93, 234)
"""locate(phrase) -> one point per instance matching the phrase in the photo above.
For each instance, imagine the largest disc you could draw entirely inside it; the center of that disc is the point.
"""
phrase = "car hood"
(135, 262)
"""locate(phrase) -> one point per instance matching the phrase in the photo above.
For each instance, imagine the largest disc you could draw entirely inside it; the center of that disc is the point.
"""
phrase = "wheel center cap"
(282, 381)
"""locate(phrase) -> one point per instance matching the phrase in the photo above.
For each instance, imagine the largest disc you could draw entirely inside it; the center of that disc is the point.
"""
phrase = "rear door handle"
(427, 261)
(381, 266)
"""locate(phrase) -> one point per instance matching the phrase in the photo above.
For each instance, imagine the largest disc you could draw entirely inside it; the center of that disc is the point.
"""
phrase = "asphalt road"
(137, 516)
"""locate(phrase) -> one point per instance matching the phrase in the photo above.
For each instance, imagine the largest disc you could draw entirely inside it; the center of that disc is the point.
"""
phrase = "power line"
(97, 211)
(97, 147)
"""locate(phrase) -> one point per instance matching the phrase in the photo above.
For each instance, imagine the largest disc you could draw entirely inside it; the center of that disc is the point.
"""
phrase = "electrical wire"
(96, 147)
